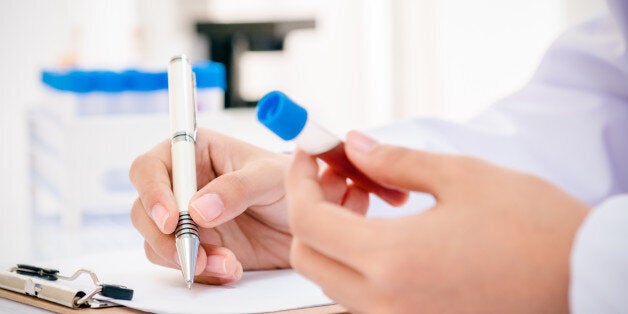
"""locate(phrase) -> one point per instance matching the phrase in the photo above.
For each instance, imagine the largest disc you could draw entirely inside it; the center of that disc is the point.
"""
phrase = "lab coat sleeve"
(569, 124)
(599, 261)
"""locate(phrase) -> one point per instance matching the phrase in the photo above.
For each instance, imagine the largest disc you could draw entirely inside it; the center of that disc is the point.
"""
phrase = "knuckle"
(299, 224)
(136, 165)
(238, 184)
(276, 167)
(152, 194)
(136, 210)
(150, 254)
(234, 183)
(405, 157)
(402, 159)
(382, 157)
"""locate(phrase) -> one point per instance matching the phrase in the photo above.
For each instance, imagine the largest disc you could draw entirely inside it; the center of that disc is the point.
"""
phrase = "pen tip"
(189, 284)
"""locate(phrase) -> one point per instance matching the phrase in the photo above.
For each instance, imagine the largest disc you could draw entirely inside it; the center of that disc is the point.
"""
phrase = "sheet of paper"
(162, 290)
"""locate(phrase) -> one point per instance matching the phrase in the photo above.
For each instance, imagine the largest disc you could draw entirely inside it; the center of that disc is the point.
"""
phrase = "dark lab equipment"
(227, 42)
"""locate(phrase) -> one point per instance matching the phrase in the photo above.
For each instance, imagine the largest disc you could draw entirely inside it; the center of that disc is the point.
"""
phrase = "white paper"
(162, 290)
(259, 291)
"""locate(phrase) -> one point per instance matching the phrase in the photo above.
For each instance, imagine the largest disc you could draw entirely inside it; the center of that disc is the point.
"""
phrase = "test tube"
(291, 122)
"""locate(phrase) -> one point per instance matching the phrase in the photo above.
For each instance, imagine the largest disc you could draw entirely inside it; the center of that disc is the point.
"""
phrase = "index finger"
(330, 229)
(150, 175)
(405, 168)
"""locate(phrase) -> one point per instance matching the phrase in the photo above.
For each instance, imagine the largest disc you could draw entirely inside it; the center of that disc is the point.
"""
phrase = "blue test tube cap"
(281, 115)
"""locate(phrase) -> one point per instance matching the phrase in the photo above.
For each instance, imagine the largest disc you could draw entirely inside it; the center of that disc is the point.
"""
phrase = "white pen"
(182, 93)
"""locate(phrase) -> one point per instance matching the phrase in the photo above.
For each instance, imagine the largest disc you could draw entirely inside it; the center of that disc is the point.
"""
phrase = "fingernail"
(209, 206)
(361, 142)
(159, 214)
(216, 264)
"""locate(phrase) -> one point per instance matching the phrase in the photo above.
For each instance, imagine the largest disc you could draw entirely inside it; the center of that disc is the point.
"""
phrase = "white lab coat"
(569, 125)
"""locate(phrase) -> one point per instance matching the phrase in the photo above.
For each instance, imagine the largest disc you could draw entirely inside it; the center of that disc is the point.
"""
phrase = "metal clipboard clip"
(41, 283)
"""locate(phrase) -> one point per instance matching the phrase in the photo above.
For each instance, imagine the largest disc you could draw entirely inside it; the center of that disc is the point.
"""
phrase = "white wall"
(30, 35)
(454, 58)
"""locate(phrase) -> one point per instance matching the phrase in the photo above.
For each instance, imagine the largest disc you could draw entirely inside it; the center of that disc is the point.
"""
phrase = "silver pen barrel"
(182, 98)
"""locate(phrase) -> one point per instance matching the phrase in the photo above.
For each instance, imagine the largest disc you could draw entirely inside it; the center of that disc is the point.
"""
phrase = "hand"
(240, 207)
(496, 241)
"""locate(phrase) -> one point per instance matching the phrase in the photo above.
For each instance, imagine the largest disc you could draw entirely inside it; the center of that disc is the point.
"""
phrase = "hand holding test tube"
(291, 122)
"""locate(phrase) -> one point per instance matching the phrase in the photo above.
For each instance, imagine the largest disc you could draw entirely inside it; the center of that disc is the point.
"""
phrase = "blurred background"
(356, 63)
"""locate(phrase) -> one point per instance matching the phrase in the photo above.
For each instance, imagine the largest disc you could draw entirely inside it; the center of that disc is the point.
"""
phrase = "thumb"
(226, 197)
(399, 167)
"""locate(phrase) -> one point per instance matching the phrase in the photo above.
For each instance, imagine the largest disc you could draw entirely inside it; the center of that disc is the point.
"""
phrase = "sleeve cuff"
(599, 260)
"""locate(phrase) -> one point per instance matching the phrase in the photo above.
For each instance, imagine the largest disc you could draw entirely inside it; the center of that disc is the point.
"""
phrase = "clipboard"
(25, 299)
(19, 283)
(43, 283)
(57, 308)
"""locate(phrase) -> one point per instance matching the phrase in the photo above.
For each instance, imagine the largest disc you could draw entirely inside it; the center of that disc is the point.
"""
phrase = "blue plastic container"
(97, 92)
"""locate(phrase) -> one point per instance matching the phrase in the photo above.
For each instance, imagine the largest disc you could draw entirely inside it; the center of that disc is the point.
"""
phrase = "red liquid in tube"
(337, 160)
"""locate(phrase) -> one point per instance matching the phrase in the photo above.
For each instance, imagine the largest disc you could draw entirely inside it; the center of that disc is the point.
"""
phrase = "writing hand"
(240, 207)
